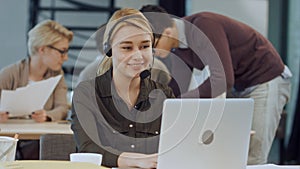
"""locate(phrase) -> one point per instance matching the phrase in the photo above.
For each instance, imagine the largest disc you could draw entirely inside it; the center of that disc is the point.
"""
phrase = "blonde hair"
(46, 33)
(119, 19)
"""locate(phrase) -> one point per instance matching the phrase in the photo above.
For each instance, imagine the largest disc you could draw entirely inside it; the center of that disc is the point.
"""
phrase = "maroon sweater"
(237, 55)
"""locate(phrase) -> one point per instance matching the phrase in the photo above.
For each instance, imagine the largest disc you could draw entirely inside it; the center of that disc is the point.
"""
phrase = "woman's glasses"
(62, 52)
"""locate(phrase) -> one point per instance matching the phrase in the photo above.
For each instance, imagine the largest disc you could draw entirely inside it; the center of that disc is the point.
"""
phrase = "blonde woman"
(118, 114)
(48, 44)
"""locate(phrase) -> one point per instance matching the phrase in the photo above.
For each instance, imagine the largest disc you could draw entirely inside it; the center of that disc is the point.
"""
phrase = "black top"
(102, 122)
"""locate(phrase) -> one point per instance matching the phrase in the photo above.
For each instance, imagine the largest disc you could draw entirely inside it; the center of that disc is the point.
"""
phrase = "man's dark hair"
(160, 23)
(153, 8)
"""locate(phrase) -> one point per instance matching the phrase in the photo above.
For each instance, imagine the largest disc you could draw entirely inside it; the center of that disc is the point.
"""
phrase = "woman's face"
(56, 54)
(131, 51)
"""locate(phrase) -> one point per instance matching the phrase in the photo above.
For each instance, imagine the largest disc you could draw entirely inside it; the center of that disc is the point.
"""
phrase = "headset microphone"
(144, 74)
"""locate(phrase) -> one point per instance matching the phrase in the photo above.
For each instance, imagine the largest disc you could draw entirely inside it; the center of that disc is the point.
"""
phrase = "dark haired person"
(250, 67)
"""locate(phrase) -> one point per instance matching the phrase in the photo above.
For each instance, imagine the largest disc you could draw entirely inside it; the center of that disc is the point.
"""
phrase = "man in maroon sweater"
(240, 62)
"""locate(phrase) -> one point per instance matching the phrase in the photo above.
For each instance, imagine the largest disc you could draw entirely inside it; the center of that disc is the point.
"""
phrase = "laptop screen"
(205, 133)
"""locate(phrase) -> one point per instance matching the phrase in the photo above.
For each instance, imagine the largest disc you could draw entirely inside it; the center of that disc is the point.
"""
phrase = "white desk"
(38, 164)
(30, 130)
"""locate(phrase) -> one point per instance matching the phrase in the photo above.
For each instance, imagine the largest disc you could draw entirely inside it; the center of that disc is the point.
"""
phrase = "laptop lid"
(205, 133)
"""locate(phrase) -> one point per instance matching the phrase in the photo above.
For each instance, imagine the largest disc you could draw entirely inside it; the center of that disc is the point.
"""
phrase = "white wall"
(13, 28)
(251, 12)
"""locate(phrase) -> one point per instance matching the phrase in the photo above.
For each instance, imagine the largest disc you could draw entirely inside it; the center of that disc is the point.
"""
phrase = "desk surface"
(38, 164)
(28, 129)
(46, 164)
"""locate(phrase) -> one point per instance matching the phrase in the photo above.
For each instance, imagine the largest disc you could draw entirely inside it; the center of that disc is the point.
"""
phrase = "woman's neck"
(37, 69)
(127, 89)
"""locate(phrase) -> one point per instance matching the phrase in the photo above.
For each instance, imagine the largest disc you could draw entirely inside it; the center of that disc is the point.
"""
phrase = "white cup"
(8, 146)
(86, 157)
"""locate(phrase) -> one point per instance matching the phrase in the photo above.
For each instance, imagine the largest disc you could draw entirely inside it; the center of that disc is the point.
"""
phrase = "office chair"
(56, 146)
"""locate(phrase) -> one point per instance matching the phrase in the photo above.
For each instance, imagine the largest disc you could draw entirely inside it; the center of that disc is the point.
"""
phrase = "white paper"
(25, 100)
(272, 166)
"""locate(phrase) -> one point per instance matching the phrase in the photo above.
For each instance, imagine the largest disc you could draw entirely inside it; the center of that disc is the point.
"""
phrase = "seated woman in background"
(48, 44)
(118, 114)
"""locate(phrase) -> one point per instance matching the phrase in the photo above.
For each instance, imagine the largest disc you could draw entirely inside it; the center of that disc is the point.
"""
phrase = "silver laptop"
(205, 133)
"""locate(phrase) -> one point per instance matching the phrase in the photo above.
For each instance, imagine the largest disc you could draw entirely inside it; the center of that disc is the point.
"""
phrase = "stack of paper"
(25, 100)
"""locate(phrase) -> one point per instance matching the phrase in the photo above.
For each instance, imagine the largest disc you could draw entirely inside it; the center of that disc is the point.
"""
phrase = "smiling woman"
(48, 44)
(132, 53)
(118, 114)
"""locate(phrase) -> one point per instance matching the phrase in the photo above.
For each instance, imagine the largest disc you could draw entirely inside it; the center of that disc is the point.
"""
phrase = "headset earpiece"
(109, 53)
(107, 49)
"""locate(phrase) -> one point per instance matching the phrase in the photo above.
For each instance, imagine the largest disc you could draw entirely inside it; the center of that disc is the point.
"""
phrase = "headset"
(107, 45)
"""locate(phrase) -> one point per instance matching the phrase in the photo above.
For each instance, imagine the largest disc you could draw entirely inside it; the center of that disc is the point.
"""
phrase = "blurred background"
(278, 20)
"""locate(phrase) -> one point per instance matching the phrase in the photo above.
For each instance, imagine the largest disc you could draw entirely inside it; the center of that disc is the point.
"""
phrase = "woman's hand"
(3, 117)
(39, 116)
(137, 160)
